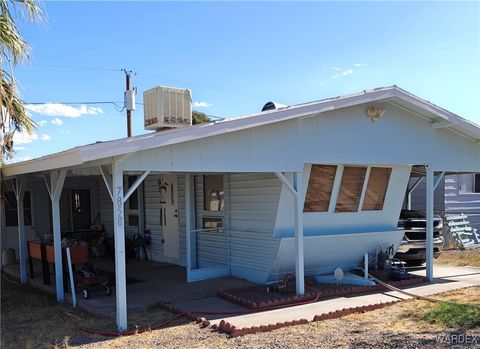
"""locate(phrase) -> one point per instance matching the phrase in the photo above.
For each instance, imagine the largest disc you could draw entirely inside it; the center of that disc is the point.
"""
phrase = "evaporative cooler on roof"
(167, 107)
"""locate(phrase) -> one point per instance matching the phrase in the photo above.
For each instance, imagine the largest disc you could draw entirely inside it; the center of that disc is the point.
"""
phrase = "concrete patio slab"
(447, 279)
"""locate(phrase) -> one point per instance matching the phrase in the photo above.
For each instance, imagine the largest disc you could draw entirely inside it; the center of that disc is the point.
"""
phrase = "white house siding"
(105, 207)
(253, 208)
(456, 201)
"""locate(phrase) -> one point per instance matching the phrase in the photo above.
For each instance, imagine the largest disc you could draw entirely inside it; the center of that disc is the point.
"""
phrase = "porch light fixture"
(374, 113)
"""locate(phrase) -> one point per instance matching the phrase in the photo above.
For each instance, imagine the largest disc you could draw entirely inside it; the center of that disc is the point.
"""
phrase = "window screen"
(376, 188)
(350, 189)
(213, 192)
(319, 189)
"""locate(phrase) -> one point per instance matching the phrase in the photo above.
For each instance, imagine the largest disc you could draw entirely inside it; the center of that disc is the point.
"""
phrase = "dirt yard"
(460, 258)
(31, 319)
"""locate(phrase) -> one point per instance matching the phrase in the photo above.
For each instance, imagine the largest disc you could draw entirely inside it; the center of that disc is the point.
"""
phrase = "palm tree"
(13, 50)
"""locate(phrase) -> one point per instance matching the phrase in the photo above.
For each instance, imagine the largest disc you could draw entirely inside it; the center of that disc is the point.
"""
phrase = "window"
(319, 189)
(350, 189)
(468, 183)
(210, 222)
(133, 199)
(376, 188)
(81, 209)
(213, 193)
(11, 215)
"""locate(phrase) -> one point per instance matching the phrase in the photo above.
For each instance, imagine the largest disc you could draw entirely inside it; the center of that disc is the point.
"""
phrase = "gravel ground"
(30, 319)
(397, 326)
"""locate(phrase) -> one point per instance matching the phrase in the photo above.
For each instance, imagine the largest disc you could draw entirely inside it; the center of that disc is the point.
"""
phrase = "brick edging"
(232, 331)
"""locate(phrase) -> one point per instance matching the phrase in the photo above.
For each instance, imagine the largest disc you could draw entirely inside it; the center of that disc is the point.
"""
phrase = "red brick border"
(344, 290)
(232, 331)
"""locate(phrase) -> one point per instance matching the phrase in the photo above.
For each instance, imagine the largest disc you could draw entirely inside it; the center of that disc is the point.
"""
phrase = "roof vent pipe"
(272, 106)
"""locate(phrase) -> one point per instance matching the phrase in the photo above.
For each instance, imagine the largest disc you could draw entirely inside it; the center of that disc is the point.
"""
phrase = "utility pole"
(129, 101)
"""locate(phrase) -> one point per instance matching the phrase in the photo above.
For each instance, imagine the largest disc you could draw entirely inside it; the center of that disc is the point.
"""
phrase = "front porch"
(148, 284)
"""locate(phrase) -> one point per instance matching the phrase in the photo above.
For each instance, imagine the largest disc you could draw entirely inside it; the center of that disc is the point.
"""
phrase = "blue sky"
(237, 56)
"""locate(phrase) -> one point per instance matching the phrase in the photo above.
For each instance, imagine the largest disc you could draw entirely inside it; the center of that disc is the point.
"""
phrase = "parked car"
(412, 248)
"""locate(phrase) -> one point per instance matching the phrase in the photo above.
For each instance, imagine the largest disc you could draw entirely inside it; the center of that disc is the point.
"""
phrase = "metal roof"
(103, 150)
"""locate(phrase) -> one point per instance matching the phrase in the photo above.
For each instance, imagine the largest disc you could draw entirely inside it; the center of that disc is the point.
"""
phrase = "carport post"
(22, 243)
(429, 210)
(55, 187)
(299, 253)
(119, 236)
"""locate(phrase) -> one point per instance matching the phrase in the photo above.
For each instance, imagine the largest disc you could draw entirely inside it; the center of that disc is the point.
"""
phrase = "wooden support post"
(429, 210)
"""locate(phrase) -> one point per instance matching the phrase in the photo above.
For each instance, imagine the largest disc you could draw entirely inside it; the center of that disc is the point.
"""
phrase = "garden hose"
(428, 299)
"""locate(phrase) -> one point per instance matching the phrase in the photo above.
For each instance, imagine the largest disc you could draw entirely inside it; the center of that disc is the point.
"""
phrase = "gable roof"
(102, 150)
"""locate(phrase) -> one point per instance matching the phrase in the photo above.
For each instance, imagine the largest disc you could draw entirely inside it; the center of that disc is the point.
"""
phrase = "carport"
(391, 128)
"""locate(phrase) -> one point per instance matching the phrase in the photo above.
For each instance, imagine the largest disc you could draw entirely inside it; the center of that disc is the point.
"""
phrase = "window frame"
(332, 189)
(131, 212)
(366, 184)
(476, 183)
(212, 215)
(204, 196)
(361, 193)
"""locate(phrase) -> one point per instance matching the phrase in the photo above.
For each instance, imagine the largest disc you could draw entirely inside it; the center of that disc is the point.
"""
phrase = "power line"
(117, 105)
(75, 67)
(156, 77)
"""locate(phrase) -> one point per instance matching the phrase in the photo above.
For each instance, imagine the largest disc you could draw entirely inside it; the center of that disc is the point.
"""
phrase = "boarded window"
(350, 189)
(376, 188)
(319, 188)
(213, 192)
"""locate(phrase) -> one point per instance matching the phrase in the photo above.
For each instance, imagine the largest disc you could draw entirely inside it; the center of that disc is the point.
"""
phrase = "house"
(462, 195)
(299, 189)
(455, 194)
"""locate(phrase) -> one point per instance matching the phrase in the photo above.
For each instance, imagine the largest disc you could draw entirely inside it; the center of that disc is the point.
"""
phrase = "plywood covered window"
(350, 189)
(376, 188)
(319, 188)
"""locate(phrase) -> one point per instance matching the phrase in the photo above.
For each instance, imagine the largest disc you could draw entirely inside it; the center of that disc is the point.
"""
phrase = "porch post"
(22, 243)
(429, 211)
(299, 252)
(119, 237)
(190, 224)
(57, 179)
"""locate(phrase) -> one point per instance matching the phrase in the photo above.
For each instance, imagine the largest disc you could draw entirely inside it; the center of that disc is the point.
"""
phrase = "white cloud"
(46, 137)
(202, 104)
(58, 109)
(42, 123)
(57, 122)
(24, 138)
(343, 72)
(360, 64)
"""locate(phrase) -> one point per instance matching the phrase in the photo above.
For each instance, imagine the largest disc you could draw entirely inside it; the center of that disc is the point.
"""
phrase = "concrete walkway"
(447, 278)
